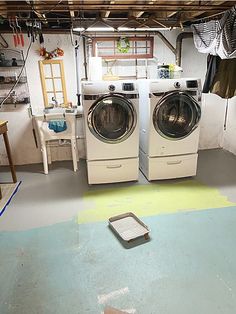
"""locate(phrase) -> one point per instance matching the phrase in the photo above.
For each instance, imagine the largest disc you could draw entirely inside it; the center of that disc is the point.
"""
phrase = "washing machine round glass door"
(176, 115)
(112, 118)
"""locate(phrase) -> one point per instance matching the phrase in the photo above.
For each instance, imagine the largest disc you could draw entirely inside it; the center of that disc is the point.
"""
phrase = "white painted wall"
(229, 134)
(212, 122)
(20, 122)
(162, 54)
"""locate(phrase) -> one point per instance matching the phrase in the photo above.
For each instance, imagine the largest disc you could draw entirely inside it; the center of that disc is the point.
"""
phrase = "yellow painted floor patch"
(150, 199)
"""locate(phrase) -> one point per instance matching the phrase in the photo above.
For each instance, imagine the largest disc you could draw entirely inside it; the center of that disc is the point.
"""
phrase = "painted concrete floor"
(51, 264)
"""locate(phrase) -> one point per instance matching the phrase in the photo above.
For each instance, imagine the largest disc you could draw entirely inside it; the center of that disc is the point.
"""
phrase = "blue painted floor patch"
(188, 267)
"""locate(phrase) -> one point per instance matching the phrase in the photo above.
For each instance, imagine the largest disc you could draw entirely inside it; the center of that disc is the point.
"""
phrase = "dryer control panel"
(128, 86)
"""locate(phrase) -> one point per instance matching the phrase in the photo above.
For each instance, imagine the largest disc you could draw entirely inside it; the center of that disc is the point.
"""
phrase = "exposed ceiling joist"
(140, 13)
(40, 15)
(3, 3)
(72, 13)
(107, 13)
(96, 6)
(134, 13)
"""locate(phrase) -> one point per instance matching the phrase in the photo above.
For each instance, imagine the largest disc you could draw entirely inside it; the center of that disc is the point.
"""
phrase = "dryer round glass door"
(112, 118)
(176, 115)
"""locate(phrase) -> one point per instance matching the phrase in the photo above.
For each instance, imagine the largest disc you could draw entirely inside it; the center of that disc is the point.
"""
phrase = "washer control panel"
(192, 84)
(128, 86)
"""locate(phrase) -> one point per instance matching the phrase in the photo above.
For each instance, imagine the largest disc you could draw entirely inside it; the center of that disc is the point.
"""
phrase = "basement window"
(111, 47)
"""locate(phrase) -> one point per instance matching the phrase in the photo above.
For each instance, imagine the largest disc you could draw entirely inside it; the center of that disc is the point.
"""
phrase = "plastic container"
(175, 74)
(128, 227)
(163, 71)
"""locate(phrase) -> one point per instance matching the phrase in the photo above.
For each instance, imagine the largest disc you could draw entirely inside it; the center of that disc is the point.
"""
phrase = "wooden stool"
(3, 131)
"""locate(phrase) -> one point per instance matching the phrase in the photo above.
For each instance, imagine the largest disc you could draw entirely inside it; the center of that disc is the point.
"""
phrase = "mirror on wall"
(53, 83)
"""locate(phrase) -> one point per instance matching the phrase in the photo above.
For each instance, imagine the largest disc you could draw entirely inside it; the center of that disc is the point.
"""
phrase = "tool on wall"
(21, 37)
(34, 29)
(11, 24)
(18, 37)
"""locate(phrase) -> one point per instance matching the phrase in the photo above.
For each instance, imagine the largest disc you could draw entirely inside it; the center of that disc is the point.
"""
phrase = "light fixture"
(100, 29)
(111, 29)
(144, 29)
(78, 29)
(94, 29)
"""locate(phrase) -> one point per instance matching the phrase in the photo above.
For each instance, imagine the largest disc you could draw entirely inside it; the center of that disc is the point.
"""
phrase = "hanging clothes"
(227, 46)
(217, 37)
(213, 63)
(205, 36)
(224, 83)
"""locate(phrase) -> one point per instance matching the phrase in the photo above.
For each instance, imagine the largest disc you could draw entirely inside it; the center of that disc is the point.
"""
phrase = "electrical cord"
(17, 81)
(34, 10)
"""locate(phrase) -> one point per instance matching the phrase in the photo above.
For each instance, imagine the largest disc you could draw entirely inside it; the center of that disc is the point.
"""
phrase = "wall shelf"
(16, 104)
(10, 83)
(10, 66)
(7, 63)
(9, 75)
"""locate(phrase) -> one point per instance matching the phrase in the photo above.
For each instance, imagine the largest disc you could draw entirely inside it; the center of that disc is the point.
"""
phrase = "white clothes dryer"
(170, 112)
(111, 130)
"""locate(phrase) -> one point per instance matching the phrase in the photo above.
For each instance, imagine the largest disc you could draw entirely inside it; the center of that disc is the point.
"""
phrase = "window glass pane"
(47, 70)
(49, 85)
(58, 85)
(56, 70)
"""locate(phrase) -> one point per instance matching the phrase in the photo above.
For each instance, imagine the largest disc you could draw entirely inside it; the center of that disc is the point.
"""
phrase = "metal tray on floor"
(128, 226)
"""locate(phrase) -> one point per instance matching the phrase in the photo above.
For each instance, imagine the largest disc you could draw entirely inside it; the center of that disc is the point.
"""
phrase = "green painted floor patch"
(151, 199)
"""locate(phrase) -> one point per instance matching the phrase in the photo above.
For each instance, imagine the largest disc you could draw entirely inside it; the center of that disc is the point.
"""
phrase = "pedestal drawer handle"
(114, 166)
(176, 162)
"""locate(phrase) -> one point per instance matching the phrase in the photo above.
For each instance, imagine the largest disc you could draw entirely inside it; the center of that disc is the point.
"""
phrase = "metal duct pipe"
(179, 40)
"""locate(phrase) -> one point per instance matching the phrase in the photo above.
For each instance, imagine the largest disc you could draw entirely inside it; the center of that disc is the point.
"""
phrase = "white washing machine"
(112, 130)
(170, 111)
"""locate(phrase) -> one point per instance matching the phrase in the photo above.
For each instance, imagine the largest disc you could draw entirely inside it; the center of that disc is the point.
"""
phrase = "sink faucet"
(55, 102)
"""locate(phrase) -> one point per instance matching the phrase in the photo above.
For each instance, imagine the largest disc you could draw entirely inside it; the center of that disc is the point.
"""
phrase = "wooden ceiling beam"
(140, 13)
(151, 6)
(72, 12)
(105, 14)
(40, 15)
(175, 12)
(192, 15)
(4, 4)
